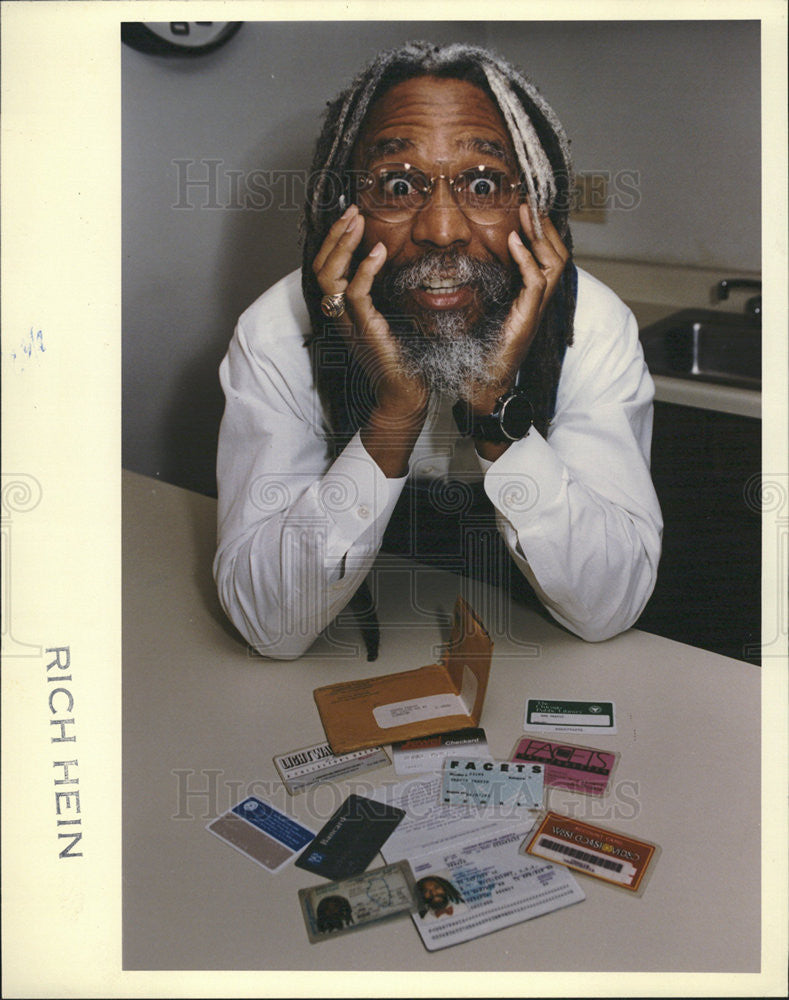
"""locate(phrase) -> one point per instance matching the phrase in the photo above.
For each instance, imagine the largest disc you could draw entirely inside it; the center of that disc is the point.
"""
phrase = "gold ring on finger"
(333, 306)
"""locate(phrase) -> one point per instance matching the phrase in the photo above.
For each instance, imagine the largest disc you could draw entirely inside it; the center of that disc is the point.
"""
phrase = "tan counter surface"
(203, 717)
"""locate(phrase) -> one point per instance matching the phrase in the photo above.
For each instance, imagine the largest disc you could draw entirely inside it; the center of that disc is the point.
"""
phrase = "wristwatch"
(510, 420)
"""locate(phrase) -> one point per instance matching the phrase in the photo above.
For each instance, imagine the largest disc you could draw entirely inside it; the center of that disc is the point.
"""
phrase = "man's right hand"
(401, 401)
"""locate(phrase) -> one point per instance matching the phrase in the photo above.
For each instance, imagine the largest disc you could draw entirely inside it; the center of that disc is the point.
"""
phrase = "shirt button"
(363, 512)
(427, 469)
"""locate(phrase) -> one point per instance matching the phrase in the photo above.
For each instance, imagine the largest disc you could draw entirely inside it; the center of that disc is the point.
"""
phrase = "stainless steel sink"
(707, 346)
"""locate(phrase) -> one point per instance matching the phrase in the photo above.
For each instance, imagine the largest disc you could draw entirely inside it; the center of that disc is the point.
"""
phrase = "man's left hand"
(540, 269)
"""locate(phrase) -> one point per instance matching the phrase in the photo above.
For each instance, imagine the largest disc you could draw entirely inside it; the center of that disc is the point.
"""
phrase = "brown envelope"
(433, 699)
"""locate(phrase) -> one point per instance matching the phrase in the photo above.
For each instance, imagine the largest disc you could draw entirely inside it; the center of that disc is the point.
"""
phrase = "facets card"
(501, 786)
(579, 769)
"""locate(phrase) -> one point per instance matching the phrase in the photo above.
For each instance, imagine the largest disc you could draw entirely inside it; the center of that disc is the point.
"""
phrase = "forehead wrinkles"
(434, 116)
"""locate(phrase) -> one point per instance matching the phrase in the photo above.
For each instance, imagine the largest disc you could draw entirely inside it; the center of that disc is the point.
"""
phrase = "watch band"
(510, 420)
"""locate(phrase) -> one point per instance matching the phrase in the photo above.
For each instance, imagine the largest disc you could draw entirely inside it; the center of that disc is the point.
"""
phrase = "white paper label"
(434, 706)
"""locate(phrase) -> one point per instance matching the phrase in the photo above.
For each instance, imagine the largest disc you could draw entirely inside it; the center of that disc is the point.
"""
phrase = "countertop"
(200, 711)
(684, 392)
(654, 291)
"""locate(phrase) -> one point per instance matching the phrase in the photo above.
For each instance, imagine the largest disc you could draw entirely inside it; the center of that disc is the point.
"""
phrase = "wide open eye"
(484, 187)
(400, 185)
(393, 191)
(397, 186)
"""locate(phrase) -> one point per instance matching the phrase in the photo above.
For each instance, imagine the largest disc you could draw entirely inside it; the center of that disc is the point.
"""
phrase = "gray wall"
(677, 102)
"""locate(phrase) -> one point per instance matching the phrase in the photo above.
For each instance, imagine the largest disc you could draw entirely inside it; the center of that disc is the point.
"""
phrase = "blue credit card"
(273, 822)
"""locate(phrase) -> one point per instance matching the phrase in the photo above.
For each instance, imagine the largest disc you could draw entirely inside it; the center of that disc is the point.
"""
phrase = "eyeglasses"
(393, 192)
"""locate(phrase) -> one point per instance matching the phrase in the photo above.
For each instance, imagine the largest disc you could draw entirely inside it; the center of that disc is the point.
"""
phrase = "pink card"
(579, 769)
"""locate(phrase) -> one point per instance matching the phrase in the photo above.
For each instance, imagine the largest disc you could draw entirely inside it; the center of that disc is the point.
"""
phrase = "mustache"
(497, 282)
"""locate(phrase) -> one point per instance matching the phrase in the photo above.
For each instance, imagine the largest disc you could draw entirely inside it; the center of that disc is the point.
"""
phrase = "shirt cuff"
(358, 498)
(526, 479)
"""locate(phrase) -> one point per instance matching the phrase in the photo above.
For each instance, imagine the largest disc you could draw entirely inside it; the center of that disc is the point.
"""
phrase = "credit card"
(350, 840)
(428, 753)
(265, 835)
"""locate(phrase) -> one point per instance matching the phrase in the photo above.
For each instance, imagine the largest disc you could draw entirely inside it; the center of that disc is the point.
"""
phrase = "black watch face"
(516, 416)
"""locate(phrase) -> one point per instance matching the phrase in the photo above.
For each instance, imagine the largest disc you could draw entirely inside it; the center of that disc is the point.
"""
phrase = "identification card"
(593, 850)
(429, 753)
(356, 902)
(264, 834)
(556, 716)
(300, 769)
(471, 878)
(350, 840)
(579, 769)
(492, 784)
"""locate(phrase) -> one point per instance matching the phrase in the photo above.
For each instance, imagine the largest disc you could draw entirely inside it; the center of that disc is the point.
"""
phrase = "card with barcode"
(593, 850)
(356, 902)
(299, 769)
(265, 835)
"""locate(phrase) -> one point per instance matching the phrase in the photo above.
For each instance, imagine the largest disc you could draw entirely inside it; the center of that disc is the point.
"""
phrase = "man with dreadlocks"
(446, 383)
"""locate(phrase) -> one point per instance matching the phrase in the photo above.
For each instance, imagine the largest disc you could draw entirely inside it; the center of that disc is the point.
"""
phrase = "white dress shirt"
(298, 531)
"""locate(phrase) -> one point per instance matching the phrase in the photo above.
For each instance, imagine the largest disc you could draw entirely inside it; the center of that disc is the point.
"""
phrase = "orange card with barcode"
(592, 850)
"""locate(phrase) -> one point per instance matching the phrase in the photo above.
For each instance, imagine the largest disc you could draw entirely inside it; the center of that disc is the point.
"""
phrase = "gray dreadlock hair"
(543, 156)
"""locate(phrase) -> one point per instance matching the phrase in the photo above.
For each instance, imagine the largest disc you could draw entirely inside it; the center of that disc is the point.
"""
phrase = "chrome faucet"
(754, 305)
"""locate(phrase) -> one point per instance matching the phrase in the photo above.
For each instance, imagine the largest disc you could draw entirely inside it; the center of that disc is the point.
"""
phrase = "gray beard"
(443, 348)
(454, 357)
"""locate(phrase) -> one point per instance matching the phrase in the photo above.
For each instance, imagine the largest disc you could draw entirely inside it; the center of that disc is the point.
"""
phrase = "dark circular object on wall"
(177, 38)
